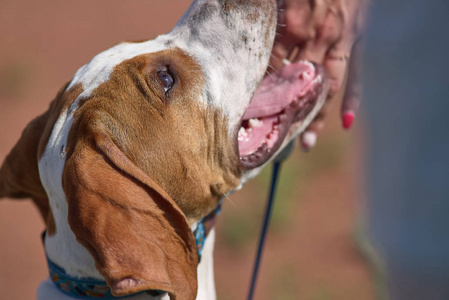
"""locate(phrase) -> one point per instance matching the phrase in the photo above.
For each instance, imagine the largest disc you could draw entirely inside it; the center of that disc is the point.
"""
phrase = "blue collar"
(204, 227)
(89, 288)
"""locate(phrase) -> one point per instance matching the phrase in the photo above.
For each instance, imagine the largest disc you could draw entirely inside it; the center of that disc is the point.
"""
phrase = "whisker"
(193, 180)
(271, 71)
(230, 201)
(273, 68)
(280, 35)
(269, 74)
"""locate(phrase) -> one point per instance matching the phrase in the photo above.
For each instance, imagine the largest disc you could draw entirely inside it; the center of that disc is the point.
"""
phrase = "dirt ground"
(311, 252)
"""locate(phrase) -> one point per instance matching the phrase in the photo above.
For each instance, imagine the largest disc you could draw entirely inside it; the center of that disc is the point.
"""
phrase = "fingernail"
(348, 119)
(308, 140)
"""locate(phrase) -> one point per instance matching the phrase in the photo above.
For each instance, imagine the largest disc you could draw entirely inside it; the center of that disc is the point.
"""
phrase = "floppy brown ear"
(19, 174)
(138, 237)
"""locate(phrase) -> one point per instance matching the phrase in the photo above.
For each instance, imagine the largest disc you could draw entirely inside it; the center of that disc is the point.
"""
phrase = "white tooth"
(308, 63)
(305, 75)
(286, 62)
(242, 132)
(254, 123)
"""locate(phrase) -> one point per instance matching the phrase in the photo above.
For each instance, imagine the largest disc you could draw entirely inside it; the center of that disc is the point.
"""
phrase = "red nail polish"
(348, 118)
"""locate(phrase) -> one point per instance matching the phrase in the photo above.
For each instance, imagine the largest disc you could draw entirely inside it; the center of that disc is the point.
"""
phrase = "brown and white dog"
(147, 139)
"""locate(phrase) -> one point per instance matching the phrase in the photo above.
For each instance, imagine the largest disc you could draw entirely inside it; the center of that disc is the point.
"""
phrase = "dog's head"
(174, 105)
(149, 136)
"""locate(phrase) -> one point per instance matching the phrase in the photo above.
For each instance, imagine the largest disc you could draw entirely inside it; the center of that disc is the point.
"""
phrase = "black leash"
(274, 179)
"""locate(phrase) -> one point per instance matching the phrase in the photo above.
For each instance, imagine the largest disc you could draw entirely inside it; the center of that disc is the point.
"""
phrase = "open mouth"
(281, 100)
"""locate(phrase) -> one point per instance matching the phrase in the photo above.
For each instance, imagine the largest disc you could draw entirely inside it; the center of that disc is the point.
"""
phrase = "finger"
(336, 64)
(338, 55)
(353, 93)
(293, 30)
(328, 30)
(351, 13)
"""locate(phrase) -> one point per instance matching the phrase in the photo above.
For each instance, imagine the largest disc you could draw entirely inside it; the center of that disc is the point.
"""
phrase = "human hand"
(325, 32)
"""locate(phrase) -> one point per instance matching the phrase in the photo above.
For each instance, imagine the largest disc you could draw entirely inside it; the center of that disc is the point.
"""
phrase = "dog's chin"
(284, 104)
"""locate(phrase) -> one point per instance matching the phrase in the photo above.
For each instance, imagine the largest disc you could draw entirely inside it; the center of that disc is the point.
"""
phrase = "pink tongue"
(278, 90)
(246, 141)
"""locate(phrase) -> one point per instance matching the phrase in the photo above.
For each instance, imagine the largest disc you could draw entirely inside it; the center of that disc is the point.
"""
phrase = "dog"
(129, 164)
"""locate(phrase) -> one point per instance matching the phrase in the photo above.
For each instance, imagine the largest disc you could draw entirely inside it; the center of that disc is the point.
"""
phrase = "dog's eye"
(166, 80)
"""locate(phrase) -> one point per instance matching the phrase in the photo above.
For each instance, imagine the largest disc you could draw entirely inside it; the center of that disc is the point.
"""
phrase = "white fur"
(206, 283)
(62, 248)
(101, 66)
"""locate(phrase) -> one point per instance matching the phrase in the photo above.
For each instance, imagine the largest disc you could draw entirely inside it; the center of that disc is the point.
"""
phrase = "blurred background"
(315, 250)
